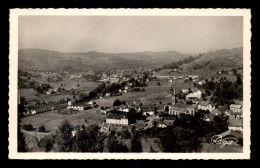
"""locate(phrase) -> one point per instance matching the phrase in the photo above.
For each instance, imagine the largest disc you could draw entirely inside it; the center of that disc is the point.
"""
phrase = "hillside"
(218, 59)
(39, 59)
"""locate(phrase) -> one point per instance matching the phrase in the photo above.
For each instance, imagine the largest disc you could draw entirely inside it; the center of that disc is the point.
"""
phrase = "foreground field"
(51, 120)
(215, 148)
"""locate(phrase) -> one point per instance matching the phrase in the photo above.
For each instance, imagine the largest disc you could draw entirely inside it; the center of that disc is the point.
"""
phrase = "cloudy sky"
(115, 34)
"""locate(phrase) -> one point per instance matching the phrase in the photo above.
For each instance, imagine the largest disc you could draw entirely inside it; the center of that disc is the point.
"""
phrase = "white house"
(206, 105)
(236, 108)
(117, 119)
(161, 125)
(78, 108)
(184, 90)
(33, 112)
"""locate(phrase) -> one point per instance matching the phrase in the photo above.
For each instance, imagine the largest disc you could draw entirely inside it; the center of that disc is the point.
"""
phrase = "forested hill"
(39, 59)
(224, 58)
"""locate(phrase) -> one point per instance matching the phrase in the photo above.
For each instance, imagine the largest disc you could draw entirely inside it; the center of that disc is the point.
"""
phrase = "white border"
(13, 61)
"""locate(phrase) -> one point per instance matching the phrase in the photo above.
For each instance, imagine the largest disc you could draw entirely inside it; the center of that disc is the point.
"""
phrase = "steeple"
(173, 94)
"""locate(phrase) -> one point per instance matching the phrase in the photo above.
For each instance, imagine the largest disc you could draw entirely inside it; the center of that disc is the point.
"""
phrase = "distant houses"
(77, 107)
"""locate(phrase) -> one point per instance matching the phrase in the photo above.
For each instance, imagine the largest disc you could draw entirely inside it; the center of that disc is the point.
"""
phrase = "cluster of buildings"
(75, 76)
(80, 107)
(113, 77)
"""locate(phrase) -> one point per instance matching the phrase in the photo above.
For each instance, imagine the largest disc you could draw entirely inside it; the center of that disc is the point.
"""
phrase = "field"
(51, 120)
(215, 148)
(84, 87)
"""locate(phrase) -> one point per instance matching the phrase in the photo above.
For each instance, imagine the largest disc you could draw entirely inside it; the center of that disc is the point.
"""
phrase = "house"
(49, 91)
(233, 115)
(206, 105)
(77, 107)
(33, 112)
(200, 83)
(69, 103)
(91, 103)
(185, 91)
(235, 124)
(209, 117)
(124, 108)
(73, 133)
(108, 94)
(194, 97)
(216, 112)
(147, 110)
(223, 109)
(182, 109)
(117, 119)
(161, 124)
(236, 108)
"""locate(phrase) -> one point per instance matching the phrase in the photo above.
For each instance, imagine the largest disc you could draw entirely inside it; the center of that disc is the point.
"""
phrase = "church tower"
(173, 94)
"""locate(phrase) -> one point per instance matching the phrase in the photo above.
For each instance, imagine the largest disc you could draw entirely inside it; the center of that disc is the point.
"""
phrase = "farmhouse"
(117, 119)
(206, 105)
(236, 108)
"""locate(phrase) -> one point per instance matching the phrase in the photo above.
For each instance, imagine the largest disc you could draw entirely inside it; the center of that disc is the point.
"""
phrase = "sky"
(122, 34)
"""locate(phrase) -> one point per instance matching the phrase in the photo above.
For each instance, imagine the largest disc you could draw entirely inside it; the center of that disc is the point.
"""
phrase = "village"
(142, 99)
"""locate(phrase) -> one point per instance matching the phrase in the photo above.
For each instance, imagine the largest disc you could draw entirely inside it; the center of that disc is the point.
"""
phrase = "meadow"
(51, 120)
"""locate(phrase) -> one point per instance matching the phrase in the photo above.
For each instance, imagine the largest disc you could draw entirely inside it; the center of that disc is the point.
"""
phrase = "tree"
(115, 146)
(64, 136)
(41, 129)
(136, 145)
(89, 139)
(21, 139)
(47, 142)
(159, 84)
(117, 102)
(190, 78)
(220, 124)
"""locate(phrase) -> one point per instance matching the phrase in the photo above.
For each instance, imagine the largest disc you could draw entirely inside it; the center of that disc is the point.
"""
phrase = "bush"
(28, 127)
(41, 129)
(47, 142)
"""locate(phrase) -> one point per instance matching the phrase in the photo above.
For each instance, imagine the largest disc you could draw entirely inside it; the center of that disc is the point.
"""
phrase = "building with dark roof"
(236, 107)
(117, 119)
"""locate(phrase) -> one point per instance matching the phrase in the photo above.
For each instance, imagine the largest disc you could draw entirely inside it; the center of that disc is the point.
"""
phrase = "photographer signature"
(217, 139)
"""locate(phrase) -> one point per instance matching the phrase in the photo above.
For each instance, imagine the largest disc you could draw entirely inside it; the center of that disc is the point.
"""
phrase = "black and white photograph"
(116, 84)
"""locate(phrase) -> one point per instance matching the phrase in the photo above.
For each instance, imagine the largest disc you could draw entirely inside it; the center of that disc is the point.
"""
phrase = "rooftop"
(235, 106)
(116, 116)
(235, 123)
